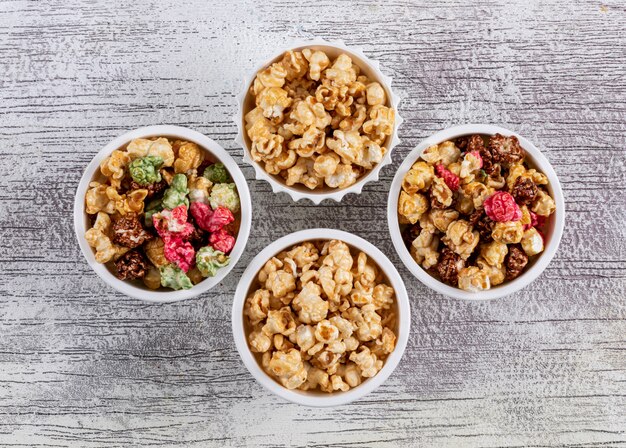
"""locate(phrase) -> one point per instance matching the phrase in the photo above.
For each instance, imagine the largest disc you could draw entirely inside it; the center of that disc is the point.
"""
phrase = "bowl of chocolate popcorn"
(162, 213)
(321, 317)
(476, 212)
(318, 121)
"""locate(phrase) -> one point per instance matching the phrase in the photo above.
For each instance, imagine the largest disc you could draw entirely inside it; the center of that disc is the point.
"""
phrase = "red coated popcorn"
(220, 218)
(222, 241)
(179, 252)
(201, 213)
(451, 179)
(173, 222)
(501, 207)
(211, 220)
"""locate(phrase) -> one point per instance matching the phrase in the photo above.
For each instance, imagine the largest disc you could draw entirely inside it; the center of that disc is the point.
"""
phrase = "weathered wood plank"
(81, 365)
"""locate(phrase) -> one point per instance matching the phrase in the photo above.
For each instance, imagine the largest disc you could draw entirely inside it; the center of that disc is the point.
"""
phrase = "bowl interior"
(82, 221)
(318, 398)
(99, 177)
(552, 229)
(332, 52)
(248, 328)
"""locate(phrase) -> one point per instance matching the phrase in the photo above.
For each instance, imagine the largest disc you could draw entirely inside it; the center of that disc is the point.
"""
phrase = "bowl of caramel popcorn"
(162, 213)
(476, 212)
(318, 121)
(321, 317)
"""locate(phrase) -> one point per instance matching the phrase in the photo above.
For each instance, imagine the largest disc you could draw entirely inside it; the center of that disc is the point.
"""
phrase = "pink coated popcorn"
(179, 252)
(221, 217)
(173, 222)
(222, 241)
(478, 156)
(201, 213)
(211, 220)
(501, 207)
(451, 179)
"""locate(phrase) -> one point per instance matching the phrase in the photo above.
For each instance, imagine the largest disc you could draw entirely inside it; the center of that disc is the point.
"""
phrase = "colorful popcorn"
(163, 213)
(472, 211)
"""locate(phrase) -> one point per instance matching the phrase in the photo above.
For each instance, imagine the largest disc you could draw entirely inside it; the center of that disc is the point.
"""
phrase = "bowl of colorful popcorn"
(162, 213)
(321, 317)
(318, 121)
(476, 212)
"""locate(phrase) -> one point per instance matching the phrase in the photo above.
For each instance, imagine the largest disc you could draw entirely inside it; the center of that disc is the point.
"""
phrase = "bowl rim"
(303, 397)
(297, 194)
(499, 291)
(210, 146)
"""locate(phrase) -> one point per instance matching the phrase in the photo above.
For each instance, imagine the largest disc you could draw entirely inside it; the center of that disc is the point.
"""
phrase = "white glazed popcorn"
(321, 317)
(532, 242)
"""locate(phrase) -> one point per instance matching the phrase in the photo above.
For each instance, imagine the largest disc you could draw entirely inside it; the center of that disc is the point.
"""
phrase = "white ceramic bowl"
(554, 227)
(316, 398)
(81, 220)
(332, 49)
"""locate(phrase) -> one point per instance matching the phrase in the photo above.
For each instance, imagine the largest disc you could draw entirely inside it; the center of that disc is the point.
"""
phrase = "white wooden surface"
(83, 366)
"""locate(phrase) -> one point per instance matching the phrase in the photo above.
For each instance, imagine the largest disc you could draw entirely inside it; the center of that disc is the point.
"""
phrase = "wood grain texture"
(83, 366)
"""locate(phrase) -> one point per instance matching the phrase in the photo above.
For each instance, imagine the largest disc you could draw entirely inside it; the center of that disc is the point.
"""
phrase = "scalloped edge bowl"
(311, 398)
(553, 235)
(81, 221)
(369, 67)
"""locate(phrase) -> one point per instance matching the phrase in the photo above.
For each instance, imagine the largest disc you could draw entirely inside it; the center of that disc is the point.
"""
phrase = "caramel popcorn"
(440, 194)
(496, 274)
(509, 232)
(461, 238)
(333, 330)
(419, 178)
(189, 157)
(442, 219)
(98, 199)
(318, 61)
(114, 167)
(472, 210)
(424, 249)
(160, 147)
(318, 122)
(412, 207)
(445, 153)
(473, 279)
(152, 279)
(493, 253)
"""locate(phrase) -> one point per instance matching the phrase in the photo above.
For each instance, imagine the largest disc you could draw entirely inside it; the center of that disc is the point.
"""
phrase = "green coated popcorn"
(173, 277)
(145, 170)
(217, 173)
(224, 195)
(177, 193)
(154, 206)
(209, 260)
